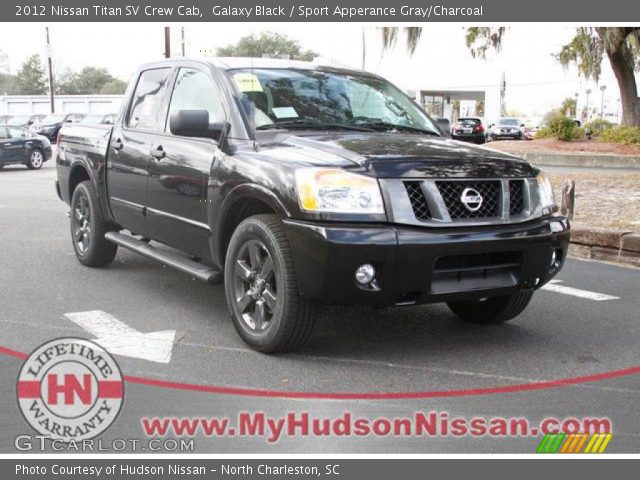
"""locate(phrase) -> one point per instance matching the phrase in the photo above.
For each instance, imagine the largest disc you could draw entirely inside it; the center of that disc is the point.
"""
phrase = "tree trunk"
(622, 64)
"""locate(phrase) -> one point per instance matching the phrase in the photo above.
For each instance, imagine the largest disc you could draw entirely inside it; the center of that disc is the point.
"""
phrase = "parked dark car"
(25, 120)
(108, 119)
(21, 146)
(304, 185)
(51, 125)
(469, 129)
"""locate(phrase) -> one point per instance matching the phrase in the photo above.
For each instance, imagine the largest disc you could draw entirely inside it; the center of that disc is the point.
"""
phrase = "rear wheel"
(36, 159)
(262, 288)
(492, 310)
(88, 228)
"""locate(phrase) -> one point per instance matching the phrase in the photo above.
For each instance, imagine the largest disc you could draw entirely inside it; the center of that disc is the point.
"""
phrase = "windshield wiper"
(313, 124)
(382, 125)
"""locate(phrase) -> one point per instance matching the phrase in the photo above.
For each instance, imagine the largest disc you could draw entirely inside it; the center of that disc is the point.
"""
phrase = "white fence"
(41, 104)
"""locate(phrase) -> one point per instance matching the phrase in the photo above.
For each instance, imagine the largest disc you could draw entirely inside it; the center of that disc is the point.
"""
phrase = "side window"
(143, 112)
(4, 133)
(17, 133)
(194, 90)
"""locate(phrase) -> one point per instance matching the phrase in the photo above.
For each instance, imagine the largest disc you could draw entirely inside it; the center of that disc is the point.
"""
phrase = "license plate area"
(467, 273)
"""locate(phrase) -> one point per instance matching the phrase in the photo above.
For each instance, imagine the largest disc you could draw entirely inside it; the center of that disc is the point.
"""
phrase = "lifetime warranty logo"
(574, 443)
(70, 389)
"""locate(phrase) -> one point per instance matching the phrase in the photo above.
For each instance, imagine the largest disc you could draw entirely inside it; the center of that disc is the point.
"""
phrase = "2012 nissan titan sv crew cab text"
(298, 185)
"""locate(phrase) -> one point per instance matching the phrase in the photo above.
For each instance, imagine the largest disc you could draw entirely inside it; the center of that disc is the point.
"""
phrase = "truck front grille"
(465, 273)
(418, 201)
(452, 195)
(516, 197)
(441, 201)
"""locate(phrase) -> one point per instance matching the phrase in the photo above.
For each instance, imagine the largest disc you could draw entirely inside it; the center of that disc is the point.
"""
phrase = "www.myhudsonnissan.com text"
(216, 11)
(421, 424)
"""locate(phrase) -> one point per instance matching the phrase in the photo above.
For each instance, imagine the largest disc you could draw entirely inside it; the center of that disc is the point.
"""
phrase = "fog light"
(553, 258)
(365, 274)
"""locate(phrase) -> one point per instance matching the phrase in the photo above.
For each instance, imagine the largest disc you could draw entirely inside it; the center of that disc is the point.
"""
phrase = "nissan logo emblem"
(471, 199)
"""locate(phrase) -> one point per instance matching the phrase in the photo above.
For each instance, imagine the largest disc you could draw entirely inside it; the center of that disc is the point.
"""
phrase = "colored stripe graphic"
(106, 389)
(573, 443)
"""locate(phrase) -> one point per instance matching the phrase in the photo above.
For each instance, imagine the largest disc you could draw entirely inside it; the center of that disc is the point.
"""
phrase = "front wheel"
(88, 228)
(262, 288)
(492, 310)
(36, 159)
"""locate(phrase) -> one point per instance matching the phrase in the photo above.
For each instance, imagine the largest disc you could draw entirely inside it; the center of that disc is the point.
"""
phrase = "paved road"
(415, 349)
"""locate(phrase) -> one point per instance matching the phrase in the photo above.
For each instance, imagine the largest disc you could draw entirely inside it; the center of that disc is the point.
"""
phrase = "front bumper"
(424, 265)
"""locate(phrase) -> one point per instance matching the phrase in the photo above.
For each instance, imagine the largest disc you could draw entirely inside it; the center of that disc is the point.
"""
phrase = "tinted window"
(468, 122)
(194, 90)
(345, 98)
(4, 133)
(143, 113)
(17, 132)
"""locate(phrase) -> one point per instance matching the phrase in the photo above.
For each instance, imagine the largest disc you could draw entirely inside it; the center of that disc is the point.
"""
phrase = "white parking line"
(576, 292)
(120, 339)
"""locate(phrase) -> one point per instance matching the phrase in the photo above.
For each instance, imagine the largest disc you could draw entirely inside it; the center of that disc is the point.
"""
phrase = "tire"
(88, 228)
(492, 310)
(266, 308)
(36, 159)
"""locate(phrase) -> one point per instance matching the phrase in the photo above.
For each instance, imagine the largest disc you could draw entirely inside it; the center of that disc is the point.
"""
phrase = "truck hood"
(398, 155)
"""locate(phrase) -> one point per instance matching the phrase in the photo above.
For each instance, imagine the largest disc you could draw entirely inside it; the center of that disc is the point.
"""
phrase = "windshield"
(288, 98)
(509, 121)
(52, 119)
(468, 122)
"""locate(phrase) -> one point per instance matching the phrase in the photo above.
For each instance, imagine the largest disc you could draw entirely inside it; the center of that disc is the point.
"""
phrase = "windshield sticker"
(247, 82)
(284, 112)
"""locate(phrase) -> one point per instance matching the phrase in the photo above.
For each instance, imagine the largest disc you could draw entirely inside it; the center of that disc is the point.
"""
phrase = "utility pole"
(167, 42)
(588, 92)
(364, 50)
(503, 94)
(602, 89)
(182, 41)
(50, 63)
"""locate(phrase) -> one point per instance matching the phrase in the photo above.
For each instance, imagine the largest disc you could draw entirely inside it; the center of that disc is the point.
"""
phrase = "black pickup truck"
(298, 185)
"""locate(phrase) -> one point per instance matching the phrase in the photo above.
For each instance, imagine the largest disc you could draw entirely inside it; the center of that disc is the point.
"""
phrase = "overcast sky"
(535, 81)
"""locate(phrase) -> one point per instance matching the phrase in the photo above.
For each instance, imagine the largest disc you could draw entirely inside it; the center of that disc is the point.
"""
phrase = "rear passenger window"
(17, 133)
(147, 98)
(4, 133)
(194, 90)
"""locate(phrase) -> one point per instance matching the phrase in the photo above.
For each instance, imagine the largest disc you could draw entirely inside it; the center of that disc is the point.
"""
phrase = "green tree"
(586, 49)
(266, 43)
(90, 81)
(568, 107)
(7, 84)
(114, 87)
(31, 79)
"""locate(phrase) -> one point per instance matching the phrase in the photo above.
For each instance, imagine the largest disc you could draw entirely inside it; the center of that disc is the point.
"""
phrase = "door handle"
(117, 144)
(158, 152)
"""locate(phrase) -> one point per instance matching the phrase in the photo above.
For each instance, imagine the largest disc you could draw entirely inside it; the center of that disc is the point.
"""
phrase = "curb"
(588, 160)
(616, 246)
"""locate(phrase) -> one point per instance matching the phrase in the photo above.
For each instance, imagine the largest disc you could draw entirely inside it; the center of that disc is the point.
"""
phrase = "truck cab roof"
(232, 63)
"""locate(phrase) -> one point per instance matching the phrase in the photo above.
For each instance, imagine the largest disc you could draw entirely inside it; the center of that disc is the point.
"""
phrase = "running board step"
(171, 259)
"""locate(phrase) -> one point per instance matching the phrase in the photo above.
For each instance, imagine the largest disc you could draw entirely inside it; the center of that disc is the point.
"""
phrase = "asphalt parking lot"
(586, 324)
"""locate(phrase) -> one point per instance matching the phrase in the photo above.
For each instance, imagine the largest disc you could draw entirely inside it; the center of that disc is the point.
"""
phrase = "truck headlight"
(545, 191)
(337, 191)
